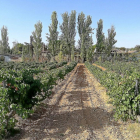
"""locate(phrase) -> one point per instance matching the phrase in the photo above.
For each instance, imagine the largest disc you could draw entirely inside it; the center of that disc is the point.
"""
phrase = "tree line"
(65, 43)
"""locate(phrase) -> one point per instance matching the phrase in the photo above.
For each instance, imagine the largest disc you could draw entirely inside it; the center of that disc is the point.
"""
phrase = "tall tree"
(84, 31)
(72, 33)
(90, 49)
(37, 40)
(81, 27)
(1, 47)
(4, 45)
(53, 36)
(69, 32)
(100, 46)
(123, 48)
(14, 48)
(72, 53)
(64, 45)
(106, 46)
(110, 40)
(60, 55)
(18, 47)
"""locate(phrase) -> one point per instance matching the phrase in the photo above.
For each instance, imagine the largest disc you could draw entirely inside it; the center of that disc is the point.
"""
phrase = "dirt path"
(77, 110)
(99, 66)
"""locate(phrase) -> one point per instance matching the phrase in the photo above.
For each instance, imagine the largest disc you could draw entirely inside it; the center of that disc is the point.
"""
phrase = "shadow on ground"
(56, 124)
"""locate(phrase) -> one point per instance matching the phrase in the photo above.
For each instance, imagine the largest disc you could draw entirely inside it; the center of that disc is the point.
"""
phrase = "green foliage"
(122, 48)
(2, 58)
(18, 48)
(110, 41)
(137, 48)
(84, 31)
(4, 45)
(68, 32)
(72, 54)
(60, 54)
(100, 45)
(90, 54)
(94, 46)
(24, 88)
(53, 36)
(90, 49)
(120, 67)
(37, 40)
(121, 90)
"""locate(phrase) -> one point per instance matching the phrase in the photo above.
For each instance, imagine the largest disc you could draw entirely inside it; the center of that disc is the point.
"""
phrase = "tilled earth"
(75, 111)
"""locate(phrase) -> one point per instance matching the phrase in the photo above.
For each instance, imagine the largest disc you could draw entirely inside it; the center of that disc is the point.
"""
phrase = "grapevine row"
(27, 92)
(123, 91)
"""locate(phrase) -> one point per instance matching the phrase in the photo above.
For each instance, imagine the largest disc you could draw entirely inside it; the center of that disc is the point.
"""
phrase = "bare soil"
(99, 66)
(77, 110)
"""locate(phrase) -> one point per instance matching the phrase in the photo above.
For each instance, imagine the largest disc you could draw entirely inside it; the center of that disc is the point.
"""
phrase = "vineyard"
(24, 91)
(24, 88)
(122, 83)
(68, 76)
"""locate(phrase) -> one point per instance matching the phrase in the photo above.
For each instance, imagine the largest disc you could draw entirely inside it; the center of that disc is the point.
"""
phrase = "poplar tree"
(53, 36)
(69, 32)
(1, 48)
(81, 27)
(37, 40)
(110, 40)
(60, 55)
(100, 46)
(72, 53)
(106, 46)
(84, 31)
(72, 32)
(64, 36)
(4, 42)
(90, 50)
(64, 45)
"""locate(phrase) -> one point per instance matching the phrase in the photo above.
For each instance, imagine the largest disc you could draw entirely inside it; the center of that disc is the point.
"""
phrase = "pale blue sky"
(20, 16)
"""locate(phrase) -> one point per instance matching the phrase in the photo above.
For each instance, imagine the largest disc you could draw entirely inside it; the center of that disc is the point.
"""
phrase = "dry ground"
(77, 110)
(99, 67)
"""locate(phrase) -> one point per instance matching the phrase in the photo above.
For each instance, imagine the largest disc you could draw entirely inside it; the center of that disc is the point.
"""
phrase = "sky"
(20, 16)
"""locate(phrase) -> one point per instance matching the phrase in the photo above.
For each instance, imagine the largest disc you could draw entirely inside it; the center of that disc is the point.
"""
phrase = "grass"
(131, 130)
(135, 129)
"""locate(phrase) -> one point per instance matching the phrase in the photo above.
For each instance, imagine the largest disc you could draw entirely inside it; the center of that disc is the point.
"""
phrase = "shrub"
(2, 58)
